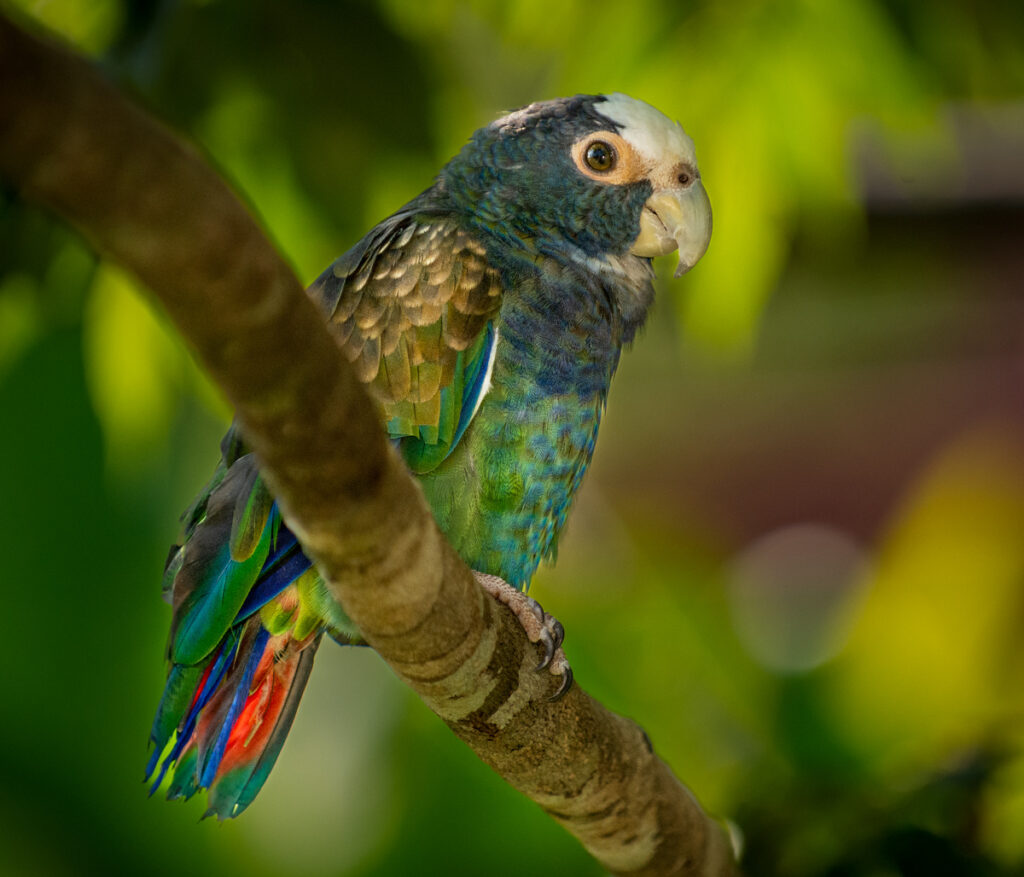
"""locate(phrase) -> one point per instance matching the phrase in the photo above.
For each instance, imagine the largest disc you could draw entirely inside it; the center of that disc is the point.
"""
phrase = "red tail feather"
(260, 725)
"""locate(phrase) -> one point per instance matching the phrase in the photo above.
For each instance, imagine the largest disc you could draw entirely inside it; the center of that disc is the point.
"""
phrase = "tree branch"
(147, 200)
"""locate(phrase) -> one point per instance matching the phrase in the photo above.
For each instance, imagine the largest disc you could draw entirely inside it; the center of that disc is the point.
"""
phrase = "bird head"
(604, 174)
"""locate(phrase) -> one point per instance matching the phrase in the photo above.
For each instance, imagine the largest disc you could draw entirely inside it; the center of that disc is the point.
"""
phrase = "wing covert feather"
(409, 305)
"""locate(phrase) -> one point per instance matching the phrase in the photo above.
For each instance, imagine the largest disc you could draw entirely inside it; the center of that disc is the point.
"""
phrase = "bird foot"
(538, 625)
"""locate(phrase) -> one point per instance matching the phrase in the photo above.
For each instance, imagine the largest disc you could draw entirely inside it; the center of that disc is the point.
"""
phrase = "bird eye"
(600, 156)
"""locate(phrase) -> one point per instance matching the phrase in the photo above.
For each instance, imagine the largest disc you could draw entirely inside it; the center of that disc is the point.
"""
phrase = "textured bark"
(70, 141)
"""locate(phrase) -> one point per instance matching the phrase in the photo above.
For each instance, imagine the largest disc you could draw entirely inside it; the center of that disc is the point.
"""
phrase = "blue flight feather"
(282, 568)
(213, 757)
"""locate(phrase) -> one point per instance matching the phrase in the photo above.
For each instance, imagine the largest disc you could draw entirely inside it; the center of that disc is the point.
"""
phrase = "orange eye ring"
(608, 158)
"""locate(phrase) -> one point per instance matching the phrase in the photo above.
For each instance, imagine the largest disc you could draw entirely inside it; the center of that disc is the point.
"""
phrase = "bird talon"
(550, 645)
(563, 689)
(557, 631)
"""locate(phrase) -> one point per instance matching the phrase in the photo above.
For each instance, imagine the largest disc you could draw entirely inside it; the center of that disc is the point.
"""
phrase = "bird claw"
(566, 673)
(550, 633)
(540, 627)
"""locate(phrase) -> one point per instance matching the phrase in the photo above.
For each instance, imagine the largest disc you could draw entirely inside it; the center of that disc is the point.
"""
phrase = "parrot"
(486, 318)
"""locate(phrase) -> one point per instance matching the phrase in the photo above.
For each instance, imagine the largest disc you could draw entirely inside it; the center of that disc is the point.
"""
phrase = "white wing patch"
(486, 385)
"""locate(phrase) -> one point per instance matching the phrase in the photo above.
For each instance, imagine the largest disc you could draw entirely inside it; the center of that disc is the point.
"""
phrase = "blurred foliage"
(803, 574)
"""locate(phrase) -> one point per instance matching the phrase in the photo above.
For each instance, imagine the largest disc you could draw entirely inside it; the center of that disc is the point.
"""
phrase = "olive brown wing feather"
(413, 308)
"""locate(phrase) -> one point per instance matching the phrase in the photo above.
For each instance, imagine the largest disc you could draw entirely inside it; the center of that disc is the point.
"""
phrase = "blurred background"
(798, 559)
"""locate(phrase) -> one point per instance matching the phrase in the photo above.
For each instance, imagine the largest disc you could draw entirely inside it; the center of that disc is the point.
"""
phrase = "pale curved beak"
(676, 219)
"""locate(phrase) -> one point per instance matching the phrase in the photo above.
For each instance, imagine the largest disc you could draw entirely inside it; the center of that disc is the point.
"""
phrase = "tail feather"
(241, 710)
(241, 779)
(179, 692)
(225, 710)
(248, 617)
(182, 702)
(184, 783)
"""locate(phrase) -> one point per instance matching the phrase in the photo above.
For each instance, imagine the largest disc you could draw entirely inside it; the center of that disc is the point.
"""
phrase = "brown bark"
(70, 141)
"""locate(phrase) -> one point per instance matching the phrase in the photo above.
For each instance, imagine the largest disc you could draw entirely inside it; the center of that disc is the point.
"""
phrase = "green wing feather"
(410, 309)
(216, 573)
(251, 512)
